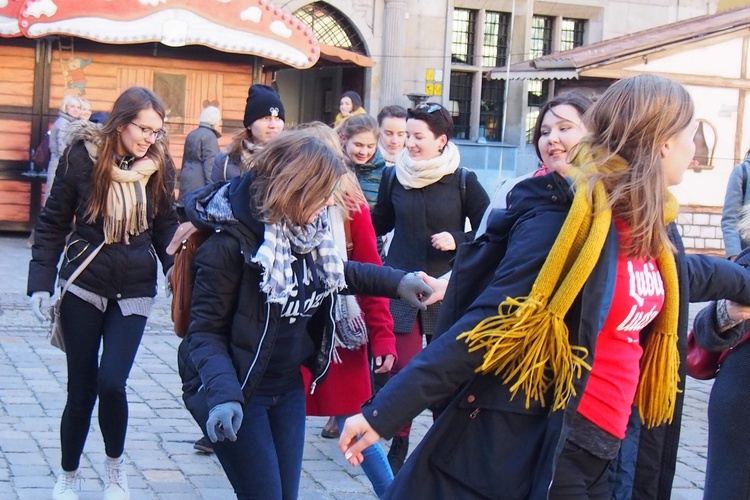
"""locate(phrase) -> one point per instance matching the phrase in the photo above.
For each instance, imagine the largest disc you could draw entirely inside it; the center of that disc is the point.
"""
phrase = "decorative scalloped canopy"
(241, 26)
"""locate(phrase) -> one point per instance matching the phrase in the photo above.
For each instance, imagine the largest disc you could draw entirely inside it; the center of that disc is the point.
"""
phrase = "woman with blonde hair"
(115, 182)
(70, 110)
(266, 283)
(572, 313)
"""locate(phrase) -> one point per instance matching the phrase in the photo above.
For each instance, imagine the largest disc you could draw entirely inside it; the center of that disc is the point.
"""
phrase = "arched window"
(330, 26)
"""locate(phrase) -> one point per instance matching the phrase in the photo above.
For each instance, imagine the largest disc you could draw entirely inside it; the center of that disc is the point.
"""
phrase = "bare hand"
(438, 285)
(385, 363)
(738, 312)
(443, 241)
(356, 435)
(183, 231)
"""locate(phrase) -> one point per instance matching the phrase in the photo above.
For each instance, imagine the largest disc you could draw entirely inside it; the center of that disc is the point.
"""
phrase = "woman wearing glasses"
(426, 204)
(116, 183)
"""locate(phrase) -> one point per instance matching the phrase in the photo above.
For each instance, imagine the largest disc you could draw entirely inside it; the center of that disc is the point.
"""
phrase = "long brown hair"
(126, 108)
(633, 119)
(295, 173)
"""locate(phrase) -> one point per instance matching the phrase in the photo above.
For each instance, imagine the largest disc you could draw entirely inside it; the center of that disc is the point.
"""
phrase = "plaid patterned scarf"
(275, 257)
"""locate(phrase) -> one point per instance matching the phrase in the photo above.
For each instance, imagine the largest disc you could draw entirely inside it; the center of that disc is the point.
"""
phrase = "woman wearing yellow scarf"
(571, 311)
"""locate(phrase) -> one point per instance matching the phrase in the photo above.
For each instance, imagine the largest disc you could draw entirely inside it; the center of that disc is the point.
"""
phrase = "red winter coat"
(348, 383)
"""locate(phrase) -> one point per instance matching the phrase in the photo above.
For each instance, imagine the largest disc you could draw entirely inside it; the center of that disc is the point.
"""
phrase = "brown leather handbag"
(182, 281)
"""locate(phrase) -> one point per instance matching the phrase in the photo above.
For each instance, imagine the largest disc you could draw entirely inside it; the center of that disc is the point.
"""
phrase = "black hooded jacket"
(234, 327)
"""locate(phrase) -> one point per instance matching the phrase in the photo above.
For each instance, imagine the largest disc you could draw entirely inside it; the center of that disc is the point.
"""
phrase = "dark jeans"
(266, 460)
(580, 475)
(84, 328)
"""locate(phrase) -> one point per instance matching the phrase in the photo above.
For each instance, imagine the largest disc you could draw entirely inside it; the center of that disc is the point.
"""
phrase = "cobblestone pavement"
(159, 449)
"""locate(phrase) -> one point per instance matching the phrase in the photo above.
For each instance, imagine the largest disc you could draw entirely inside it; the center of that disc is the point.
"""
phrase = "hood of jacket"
(89, 132)
(227, 206)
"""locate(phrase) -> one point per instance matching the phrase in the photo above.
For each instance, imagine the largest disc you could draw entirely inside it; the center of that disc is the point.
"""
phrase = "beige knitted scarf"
(127, 202)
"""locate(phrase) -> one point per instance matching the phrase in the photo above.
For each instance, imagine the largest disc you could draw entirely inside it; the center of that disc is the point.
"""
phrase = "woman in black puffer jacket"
(115, 183)
(262, 307)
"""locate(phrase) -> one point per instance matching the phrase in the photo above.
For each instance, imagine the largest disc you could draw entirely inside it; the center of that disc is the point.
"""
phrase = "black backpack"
(41, 154)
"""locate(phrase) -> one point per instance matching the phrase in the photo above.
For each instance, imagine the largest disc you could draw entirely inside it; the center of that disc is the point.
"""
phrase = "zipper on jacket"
(260, 344)
(330, 350)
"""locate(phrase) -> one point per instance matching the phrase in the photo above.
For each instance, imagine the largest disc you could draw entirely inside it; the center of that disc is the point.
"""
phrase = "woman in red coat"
(348, 383)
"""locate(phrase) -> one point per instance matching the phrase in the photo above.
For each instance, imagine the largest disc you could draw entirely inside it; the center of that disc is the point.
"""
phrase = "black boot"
(204, 446)
(397, 453)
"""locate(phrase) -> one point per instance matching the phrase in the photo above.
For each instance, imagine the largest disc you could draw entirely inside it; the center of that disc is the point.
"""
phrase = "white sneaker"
(117, 482)
(65, 487)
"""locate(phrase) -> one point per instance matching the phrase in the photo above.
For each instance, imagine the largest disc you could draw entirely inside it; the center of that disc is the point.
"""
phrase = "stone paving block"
(19, 471)
(218, 494)
(18, 445)
(339, 481)
(214, 481)
(36, 493)
(180, 487)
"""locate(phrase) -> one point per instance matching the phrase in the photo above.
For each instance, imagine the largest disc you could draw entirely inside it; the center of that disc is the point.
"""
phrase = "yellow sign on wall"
(731, 4)
(432, 85)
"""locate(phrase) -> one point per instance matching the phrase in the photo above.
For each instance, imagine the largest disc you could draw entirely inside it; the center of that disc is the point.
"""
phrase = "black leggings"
(84, 327)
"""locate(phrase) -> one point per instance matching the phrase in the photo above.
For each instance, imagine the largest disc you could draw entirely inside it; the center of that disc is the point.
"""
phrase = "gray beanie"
(210, 116)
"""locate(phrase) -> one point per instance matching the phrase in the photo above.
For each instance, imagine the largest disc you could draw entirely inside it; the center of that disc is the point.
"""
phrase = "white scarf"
(390, 160)
(416, 174)
(127, 202)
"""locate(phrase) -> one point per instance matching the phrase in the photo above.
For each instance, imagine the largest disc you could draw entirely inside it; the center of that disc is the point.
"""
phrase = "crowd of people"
(361, 272)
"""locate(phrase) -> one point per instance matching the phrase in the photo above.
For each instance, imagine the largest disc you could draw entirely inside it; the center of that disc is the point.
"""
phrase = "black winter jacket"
(119, 271)
(486, 445)
(233, 328)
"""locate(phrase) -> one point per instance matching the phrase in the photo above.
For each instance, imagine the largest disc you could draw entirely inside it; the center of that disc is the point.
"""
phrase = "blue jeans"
(266, 460)
(375, 464)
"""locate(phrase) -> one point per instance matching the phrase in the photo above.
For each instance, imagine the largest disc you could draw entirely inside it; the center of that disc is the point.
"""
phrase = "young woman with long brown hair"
(579, 321)
(115, 183)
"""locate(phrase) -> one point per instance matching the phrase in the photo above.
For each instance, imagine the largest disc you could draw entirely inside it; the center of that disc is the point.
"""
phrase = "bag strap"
(744, 179)
(226, 163)
(349, 241)
(463, 189)
(80, 269)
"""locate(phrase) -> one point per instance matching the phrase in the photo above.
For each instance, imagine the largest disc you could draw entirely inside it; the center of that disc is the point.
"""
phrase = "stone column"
(394, 42)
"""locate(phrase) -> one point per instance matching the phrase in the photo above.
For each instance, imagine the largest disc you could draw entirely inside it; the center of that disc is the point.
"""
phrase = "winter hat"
(210, 115)
(262, 101)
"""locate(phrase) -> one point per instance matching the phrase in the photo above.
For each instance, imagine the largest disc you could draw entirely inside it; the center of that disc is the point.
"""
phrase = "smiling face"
(561, 131)
(85, 111)
(421, 142)
(360, 148)
(74, 108)
(264, 129)
(345, 106)
(678, 153)
(133, 140)
(393, 134)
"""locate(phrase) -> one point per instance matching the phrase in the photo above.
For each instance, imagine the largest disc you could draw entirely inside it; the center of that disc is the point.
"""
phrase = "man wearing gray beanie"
(201, 148)
(263, 119)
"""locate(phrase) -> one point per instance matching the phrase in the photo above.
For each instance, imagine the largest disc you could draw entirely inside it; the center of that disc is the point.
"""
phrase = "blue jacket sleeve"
(707, 332)
(733, 202)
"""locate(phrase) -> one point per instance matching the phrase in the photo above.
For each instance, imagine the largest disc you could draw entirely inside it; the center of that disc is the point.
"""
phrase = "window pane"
(330, 26)
(538, 95)
(460, 107)
(462, 46)
(571, 34)
(541, 36)
(495, 46)
(491, 110)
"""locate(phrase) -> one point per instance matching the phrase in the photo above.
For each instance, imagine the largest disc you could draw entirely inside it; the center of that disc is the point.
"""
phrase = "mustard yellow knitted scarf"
(527, 343)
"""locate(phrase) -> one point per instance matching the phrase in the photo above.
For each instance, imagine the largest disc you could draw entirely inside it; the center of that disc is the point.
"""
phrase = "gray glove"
(413, 291)
(224, 421)
(39, 302)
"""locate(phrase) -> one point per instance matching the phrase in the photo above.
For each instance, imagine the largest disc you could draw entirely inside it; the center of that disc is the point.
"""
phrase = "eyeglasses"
(157, 135)
(430, 108)
(335, 188)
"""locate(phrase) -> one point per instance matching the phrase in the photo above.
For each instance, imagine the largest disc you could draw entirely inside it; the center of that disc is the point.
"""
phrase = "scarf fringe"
(658, 386)
(530, 350)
